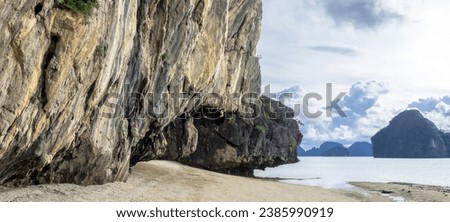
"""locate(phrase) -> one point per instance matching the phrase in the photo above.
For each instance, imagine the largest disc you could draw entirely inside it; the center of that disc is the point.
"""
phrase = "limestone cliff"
(84, 95)
(410, 135)
(232, 143)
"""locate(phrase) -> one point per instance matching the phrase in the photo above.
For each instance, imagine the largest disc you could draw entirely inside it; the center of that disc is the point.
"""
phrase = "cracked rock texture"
(233, 143)
(83, 96)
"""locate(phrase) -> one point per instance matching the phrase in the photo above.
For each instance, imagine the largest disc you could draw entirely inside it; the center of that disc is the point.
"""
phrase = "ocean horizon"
(337, 172)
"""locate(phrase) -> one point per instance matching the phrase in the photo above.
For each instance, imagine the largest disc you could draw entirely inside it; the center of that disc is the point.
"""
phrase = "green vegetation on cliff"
(79, 6)
(292, 143)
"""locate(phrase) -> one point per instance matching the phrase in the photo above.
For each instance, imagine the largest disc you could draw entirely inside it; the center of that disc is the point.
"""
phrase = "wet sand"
(407, 192)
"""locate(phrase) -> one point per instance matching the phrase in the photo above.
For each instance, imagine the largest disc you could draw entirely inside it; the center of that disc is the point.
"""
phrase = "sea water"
(336, 172)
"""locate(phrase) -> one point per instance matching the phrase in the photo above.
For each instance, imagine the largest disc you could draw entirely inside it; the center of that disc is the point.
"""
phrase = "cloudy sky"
(387, 55)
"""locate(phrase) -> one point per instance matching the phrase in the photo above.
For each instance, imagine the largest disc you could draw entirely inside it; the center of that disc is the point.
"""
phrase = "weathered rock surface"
(83, 95)
(410, 135)
(238, 144)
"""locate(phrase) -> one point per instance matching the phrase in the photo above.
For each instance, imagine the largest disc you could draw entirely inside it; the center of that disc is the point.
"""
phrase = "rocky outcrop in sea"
(328, 149)
(411, 135)
(361, 149)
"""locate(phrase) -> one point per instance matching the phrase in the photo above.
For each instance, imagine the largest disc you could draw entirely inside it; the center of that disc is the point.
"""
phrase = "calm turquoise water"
(336, 172)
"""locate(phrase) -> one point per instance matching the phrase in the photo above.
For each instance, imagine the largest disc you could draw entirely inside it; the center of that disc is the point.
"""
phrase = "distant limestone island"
(408, 135)
(334, 149)
(411, 135)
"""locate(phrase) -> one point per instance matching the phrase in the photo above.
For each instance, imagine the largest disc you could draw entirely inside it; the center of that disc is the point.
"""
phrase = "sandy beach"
(162, 181)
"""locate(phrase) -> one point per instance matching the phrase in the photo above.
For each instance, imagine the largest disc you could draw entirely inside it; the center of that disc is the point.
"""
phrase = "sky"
(387, 55)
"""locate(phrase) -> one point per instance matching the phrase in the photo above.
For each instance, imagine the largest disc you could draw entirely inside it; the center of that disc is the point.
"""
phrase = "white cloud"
(363, 95)
(343, 132)
(443, 108)
(303, 44)
(358, 126)
(435, 109)
(441, 121)
(412, 55)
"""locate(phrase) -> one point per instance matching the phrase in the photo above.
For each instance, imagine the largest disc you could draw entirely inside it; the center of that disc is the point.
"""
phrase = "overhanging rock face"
(83, 94)
(235, 143)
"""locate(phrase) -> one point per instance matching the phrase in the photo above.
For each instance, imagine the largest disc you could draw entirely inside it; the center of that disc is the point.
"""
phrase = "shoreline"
(164, 181)
(407, 192)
